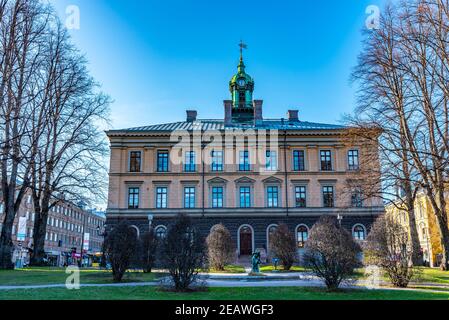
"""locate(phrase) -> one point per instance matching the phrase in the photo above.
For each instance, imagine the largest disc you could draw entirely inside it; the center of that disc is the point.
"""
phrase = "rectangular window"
(326, 160)
(300, 197)
(217, 161)
(162, 161)
(217, 197)
(189, 197)
(244, 161)
(299, 163)
(135, 158)
(245, 197)
(161, 197)
(133, 198)
(189, 162)
(328, 197)
(353, 160)
(242, 99)
(273, 197)
(271, 162)
(357, 199)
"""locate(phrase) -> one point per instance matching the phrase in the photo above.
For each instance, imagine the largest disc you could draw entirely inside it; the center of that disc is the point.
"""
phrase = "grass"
(281, 269)
(40, 276)
(433, 276)
(230, 269)
(425, 275)
(271, 293)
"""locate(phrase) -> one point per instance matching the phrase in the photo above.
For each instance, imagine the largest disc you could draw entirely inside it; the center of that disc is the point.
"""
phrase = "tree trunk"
(417, 258)
(6, 244)
(444, 243)
(38, 255)
(444, 232)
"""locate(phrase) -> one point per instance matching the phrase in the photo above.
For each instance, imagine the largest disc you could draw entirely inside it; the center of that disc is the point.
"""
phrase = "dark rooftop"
(277, 124)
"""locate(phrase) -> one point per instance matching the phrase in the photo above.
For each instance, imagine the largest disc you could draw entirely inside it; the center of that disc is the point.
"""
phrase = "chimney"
(258, 111)
(293, 115)
(228, 112)
(191, 115)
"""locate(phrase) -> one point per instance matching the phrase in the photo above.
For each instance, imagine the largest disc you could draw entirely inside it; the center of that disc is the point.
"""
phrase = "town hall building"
(244, 171)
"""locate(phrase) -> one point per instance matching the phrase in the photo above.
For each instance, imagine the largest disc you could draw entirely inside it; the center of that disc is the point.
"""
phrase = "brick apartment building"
(65, 226)
(156, 174)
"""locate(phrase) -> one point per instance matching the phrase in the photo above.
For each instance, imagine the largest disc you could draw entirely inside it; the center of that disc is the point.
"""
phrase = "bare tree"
(120, 246)
(220, 247)
(331, 252)
(148, 249)
(405, 68)
(283, 246)
(23, 24)
(183, 253)
(381, 97)
(424, 33)
(388, 247)
(69, 156)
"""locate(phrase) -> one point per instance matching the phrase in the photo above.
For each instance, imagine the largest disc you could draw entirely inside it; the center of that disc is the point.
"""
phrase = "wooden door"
(246, 241)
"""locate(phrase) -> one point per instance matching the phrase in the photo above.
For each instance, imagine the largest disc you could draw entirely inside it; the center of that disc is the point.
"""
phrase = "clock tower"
(242, 88)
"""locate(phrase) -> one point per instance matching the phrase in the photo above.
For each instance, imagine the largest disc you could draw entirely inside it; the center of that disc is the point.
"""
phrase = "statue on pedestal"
(255, 261)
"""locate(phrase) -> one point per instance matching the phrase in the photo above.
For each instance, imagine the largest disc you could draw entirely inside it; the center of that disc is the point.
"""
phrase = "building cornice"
(251, 212)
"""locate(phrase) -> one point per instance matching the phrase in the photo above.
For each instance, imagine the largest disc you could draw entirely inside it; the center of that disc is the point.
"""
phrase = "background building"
(303, 174)
(428, 233)
(65, 225)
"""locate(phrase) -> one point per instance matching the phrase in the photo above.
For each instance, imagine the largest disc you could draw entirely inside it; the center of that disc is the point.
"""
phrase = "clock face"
(241, 82)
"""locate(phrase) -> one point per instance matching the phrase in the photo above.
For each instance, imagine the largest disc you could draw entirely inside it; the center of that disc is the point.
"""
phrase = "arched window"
(245, 242)
(161, 232)
(270, 230)
(302, 235)
(136, 229)
(359, 233)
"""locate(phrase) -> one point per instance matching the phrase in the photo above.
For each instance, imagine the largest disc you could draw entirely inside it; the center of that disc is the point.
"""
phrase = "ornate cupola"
(242, 88)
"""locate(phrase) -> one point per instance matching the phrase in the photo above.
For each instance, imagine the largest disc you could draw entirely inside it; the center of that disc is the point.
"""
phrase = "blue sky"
(158, 58)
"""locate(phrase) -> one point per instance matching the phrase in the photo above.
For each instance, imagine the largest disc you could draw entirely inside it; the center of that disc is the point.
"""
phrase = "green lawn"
(425, 275)
(433, 275)
(280, 269)
(273, 293)
(37, 276)
(230, 269)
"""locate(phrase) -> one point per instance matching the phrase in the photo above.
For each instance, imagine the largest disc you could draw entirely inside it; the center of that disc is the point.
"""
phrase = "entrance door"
(246, 241)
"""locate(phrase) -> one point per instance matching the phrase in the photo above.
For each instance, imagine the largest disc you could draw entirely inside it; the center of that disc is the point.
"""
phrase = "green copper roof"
(241, 74)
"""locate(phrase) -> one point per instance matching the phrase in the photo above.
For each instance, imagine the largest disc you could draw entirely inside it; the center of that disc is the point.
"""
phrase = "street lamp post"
(339, 218)
(82, 239)
(150, 222)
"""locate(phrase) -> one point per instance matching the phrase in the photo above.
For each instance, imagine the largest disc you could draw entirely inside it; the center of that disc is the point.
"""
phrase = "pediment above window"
(245, 180)
(272, 180)
(217, 180)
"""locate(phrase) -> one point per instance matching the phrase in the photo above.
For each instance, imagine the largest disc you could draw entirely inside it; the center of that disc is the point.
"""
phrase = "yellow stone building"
(427, 227)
